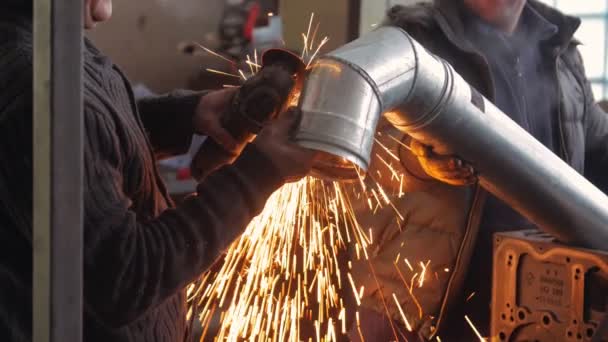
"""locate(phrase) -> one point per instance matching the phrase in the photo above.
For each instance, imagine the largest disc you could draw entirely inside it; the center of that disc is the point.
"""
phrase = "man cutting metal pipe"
(140, 250)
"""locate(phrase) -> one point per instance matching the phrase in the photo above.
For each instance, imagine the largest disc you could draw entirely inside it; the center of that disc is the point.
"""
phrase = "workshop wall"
(372, 11)
(143, 38)
(332, 16)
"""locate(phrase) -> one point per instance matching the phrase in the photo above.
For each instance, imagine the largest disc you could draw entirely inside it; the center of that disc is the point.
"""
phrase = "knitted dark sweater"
(139, 253)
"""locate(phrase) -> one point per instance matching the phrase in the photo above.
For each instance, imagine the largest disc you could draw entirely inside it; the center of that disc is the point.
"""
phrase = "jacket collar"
(449, 18)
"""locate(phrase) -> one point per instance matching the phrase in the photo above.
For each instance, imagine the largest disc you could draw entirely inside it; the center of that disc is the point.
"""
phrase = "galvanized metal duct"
(387, 72)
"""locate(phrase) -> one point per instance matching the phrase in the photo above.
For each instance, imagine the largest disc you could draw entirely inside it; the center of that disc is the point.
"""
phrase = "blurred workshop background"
(154, 43)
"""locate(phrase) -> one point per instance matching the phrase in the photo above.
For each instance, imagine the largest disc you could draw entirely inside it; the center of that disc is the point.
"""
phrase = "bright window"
(592, 33)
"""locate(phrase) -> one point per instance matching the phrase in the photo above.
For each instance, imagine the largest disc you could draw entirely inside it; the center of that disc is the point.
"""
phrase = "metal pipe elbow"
(347, 90)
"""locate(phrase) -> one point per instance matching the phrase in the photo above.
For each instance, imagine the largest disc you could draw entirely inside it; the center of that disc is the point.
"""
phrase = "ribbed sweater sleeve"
(168, 121)
(133, 264)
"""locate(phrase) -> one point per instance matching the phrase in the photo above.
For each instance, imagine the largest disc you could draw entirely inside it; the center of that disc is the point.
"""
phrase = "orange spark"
(474, 329)
(222, 73)
(422, 275)
(305, 50)
(407, 262)
(211, 52)
(242, 74)
(400, 143)
(407, 323)
(323, 42)
(388, 151)
(420, 312)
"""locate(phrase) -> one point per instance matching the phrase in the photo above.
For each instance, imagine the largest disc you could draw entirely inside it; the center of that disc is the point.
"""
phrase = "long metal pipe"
(387, 72)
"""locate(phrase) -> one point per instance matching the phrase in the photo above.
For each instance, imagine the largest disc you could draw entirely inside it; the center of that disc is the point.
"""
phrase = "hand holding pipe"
(387, 72)
(258, 100)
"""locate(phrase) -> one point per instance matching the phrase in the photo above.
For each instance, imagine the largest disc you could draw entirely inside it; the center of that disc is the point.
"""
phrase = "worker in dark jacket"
(522, 56)
(139, 251)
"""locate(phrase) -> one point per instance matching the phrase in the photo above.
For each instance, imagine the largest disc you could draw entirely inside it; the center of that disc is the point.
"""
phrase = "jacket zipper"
(479, 192)
(478, 201)
(559, 113)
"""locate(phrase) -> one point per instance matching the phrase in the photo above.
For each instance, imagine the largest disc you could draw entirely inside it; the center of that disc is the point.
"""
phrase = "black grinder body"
(261, 98)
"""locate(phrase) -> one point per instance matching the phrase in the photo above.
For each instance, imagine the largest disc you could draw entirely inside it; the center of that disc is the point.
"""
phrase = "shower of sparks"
(312, 57)
(410, 291)
(474, 329)
(253, 67)
(286, 267)
(285, 277)
(305, 43)
(394, 173)
(308, 43)
(470, 296)
(387, 150)
(305, 36)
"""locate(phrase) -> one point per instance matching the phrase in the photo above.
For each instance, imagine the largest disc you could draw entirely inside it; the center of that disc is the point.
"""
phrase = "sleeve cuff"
(256, 174)
(257, 166)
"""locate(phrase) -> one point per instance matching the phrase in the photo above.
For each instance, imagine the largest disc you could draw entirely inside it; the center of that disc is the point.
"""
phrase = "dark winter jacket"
(139, 251)
(441, 222)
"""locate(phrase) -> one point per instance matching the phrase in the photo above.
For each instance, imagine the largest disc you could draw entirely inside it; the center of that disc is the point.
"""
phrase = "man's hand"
(207, 119)
(448, 169)
(293, 161)
(259, 99)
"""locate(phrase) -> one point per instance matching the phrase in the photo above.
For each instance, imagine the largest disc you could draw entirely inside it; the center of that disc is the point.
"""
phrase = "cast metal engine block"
(547, 291)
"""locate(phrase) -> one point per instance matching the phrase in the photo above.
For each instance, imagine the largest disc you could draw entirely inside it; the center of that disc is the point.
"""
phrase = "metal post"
(57, 176)
(605, 70)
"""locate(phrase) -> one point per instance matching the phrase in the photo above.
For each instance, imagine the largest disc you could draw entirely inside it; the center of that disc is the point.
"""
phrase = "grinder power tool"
(261, 98)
